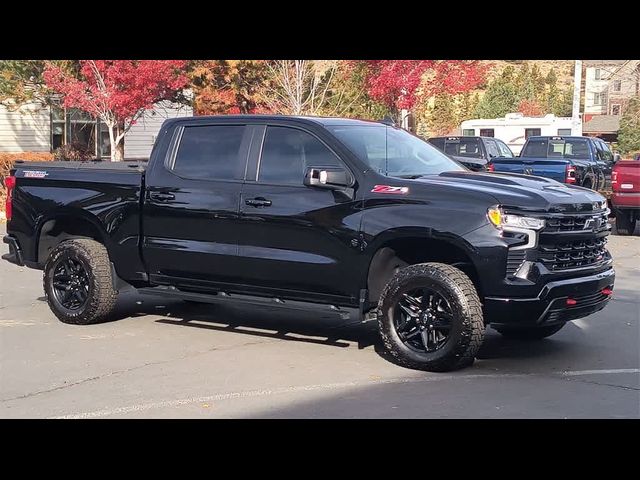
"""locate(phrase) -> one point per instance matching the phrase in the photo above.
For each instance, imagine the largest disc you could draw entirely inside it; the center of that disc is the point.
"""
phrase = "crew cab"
(581, 161)
(317, 212)
(625, 195)
(473, 152)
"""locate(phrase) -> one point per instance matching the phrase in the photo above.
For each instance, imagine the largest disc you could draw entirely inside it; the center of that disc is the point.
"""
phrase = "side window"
(438, 143)
(492, 148)
(210, 152)
(469, 132)
(504, 150)
(288, 151)
(598, 148)
(606, 152)
(487, 132)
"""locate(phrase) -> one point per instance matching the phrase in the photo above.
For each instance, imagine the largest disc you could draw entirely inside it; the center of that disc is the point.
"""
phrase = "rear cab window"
(556, 148)
(463, 147)
(210, 152)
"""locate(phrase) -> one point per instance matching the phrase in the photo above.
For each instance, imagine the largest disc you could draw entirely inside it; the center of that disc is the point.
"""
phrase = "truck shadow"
(312, 326)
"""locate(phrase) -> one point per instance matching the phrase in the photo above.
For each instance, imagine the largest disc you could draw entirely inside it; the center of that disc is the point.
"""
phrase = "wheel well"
(402, 252)
(59, 229)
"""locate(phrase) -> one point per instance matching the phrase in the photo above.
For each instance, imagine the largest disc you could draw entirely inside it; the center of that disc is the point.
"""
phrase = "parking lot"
(176, 359)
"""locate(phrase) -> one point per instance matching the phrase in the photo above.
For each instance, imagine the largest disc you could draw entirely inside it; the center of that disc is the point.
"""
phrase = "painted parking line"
(322, 387)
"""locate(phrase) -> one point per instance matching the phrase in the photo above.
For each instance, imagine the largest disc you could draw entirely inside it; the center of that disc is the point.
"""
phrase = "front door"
(191, 208)
(297, 241)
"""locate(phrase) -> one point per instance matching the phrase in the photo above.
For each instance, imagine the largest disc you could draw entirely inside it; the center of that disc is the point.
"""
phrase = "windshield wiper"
(411, 176)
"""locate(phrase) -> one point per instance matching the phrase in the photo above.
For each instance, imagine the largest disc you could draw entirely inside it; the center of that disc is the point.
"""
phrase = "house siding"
(139, 140)
(25, 130)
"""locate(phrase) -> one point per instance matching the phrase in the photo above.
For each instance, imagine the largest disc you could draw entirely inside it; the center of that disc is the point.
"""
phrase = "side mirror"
(616, 157)
(332, 178)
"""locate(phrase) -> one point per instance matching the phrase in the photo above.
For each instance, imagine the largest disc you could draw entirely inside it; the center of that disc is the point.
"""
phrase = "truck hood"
(522, 192)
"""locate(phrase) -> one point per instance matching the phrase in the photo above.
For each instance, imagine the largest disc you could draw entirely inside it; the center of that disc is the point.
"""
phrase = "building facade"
(34, 128)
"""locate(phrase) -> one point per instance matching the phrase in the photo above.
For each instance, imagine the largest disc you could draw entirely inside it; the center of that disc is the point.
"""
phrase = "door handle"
(258, 202)
(162, 196)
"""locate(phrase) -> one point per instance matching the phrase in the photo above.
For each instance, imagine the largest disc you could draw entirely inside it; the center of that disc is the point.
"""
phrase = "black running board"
(221, 297)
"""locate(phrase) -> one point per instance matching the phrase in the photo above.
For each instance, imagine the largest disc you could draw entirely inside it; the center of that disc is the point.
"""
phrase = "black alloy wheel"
(422, 319)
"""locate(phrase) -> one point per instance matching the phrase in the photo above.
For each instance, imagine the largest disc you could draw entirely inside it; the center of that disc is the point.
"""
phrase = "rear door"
(297, 241)
(191, 205)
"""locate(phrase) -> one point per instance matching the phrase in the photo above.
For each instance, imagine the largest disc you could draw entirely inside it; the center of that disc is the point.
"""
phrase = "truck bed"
(93, 165)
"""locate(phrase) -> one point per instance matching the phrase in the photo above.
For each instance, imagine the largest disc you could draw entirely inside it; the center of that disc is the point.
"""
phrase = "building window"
(598, 74)
(532, 132)
(615, 109)
(598, 98)
(468, 132)
(486, 132)
(563, 132)
(617, 85)
(75, 126)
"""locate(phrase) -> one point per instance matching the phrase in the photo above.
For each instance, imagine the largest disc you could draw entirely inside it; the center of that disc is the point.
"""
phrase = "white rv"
(515, 128)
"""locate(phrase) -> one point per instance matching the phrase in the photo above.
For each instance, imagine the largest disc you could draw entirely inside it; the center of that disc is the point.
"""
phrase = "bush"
(6, 162)
(73, 152)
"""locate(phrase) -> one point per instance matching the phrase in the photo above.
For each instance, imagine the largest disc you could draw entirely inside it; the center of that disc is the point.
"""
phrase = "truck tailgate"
(543, 167)
(625, 184)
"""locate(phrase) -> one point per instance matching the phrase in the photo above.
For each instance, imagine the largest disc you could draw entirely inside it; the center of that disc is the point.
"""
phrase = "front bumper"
(15, 254)
(550, 305)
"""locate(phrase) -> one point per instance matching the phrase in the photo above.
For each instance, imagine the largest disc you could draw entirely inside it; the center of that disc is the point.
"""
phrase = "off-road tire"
(530, 333)
(102, 294)
(624, 224)
(467, 331)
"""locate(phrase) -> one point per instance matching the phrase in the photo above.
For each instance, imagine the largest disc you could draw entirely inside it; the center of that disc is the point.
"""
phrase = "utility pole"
(576, 123)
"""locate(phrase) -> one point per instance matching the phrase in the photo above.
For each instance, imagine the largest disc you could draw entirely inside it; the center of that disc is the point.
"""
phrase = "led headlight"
(501, 220)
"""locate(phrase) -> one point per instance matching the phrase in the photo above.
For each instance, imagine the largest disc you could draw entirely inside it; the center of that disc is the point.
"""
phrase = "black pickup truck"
(475, 153)
(329, 212)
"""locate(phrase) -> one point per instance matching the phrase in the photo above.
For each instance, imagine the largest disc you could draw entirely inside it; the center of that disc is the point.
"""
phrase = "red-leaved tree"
(530, 108)
(116, 91)
(396, 83)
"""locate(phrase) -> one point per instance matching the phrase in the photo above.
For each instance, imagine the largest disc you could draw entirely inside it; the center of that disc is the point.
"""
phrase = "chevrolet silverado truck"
(475, 153)
(625, 195)
(341, 214)
(582, 161)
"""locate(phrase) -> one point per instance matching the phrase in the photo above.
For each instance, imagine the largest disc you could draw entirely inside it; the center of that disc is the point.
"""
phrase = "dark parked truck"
(579, 161)
(334, 213)
(475, 153)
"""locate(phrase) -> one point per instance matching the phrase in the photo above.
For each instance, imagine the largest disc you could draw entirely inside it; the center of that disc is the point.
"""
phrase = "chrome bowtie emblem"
(593, 223)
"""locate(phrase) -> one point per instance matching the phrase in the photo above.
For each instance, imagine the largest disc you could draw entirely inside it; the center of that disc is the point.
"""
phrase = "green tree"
(21, 81)
(442, 116)
(500, 98)
(629, 133)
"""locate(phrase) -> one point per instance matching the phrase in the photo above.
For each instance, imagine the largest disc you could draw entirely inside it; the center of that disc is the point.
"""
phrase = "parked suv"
(320, 212)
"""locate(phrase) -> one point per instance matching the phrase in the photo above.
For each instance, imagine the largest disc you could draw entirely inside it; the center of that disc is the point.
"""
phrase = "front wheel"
(530, 333)
(78, 283)
(430, 318)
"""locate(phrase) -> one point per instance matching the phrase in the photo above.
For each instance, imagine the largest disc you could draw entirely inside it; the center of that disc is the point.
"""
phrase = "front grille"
(576, 223)
(568, 241)
(579, 253)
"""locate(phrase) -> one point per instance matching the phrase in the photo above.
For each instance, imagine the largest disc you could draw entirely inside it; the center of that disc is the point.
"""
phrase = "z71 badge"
(35, 174)
(390, 189)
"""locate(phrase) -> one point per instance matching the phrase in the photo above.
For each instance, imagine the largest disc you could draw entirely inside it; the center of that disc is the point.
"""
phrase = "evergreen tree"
(629, 133)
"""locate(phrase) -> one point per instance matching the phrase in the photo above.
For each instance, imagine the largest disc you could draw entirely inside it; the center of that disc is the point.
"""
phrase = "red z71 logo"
(390, 189)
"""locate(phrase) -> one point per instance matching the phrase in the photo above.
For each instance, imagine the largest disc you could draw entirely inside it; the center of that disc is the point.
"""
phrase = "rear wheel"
(625, 222)
(430, 318)
(78, 283)
(531, 333)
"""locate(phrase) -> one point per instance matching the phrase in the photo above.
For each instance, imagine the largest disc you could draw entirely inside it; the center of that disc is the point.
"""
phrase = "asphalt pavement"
(168, 359)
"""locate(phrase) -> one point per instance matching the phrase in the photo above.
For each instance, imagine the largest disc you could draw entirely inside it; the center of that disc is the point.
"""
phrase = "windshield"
(394, 152)
(571, 148)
